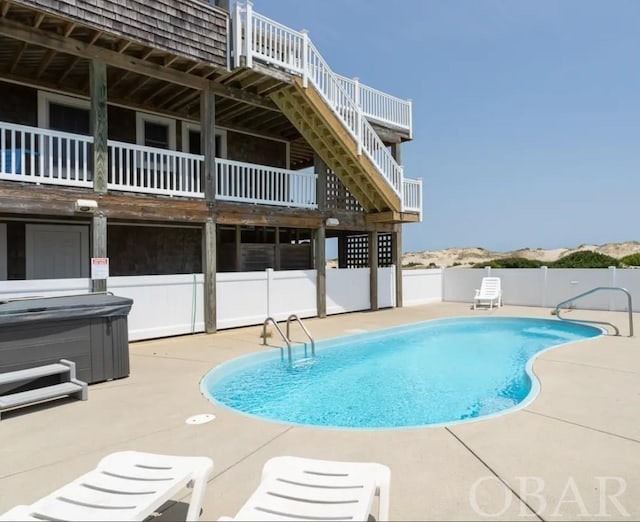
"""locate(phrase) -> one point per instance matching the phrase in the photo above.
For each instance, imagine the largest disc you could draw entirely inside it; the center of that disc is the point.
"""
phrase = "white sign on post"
(99, 268)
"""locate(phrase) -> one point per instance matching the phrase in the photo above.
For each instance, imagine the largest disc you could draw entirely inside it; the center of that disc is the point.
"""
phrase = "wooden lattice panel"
(338, 196)
(358, 251)
(384, 250)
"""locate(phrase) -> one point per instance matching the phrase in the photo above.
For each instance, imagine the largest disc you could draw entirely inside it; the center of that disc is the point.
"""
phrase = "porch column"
(210, 276)
(396, 259)
(396, 238)
(98, 123)
(208, 147)
(99, 247)
(321, 267)
(320, 168)
(373, 269)
(208, 143)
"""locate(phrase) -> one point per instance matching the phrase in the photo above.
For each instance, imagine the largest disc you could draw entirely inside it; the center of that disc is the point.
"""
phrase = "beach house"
(192, 141)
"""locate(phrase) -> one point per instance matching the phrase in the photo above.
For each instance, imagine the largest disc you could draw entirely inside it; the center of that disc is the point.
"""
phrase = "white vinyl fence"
(174, 304)
(421, 286)
(548, 287)
(43, 288)
(246, 298)
(163, 305)
(347, 290)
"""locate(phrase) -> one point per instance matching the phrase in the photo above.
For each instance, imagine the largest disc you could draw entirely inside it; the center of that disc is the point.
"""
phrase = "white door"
(57, 251)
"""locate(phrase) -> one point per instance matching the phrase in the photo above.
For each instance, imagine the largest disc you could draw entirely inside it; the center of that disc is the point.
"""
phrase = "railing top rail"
(593, 290)
(156, 150)
(366, 87)
(276, 24)
(279, 170)
(48, 132)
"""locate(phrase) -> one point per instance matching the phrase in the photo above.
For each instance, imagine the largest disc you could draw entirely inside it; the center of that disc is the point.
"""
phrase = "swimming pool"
(430, 373)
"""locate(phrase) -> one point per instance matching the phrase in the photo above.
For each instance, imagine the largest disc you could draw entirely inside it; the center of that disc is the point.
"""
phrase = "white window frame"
(188, 125)
(142, 117)
(45, 98)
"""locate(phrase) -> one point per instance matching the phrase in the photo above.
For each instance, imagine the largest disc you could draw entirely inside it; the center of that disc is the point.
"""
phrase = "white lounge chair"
(294, 488)
(490, 291)
(128, 485)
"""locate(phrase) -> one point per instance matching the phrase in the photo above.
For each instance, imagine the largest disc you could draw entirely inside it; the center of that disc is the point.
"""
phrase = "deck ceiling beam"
(5, 8)
(59, 43)
(17, 57)
(38, 20)
(45, 62)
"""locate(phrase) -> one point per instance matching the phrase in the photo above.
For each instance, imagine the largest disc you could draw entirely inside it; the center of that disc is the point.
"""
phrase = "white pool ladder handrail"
(304, 329)
(618, 288)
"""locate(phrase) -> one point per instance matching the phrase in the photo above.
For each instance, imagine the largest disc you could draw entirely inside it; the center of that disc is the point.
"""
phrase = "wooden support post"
(98, 123)
(396, 153)
(342, 250)
(396, 259)
(208, 143)
(373, 269)
(320, 168)
(210, 320)
(396, 237)
(321, 267)
(99, 247)
(238, 262)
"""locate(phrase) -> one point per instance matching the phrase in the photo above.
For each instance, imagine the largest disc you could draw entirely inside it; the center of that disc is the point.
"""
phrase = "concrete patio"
(572, 453)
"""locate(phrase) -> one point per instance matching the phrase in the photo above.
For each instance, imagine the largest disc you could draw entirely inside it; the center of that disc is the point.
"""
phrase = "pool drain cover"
(200, 419)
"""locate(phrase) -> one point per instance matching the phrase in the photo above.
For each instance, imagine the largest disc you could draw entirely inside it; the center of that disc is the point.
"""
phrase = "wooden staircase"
(314, 119)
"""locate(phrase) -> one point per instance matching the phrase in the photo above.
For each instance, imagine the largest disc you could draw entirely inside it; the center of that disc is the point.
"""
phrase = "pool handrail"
(264, 334)
(296, 318)
(619, 288)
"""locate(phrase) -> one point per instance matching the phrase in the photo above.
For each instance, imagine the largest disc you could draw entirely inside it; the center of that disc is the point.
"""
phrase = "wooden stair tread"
(327, 135)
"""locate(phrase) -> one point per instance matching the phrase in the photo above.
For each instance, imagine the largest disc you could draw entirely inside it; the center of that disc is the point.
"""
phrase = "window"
(191, 140)
(65, 114)
(155, 131)
(68, 119)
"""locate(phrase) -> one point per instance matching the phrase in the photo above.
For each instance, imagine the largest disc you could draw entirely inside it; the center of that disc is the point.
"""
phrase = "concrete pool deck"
(567, 455)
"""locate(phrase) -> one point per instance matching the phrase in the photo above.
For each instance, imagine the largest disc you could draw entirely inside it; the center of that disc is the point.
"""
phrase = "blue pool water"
(427, 373)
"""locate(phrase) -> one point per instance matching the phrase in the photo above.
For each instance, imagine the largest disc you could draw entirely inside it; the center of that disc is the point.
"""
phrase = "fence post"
(269, 284)
(305, 58)
(544, 285)
(613, 279)
(248, 35)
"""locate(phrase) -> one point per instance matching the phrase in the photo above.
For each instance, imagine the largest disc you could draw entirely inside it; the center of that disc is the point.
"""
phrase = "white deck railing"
(249, 183)
(150, 170)
(379, 106)
(258, 37)
(44, 156)
(412, 195)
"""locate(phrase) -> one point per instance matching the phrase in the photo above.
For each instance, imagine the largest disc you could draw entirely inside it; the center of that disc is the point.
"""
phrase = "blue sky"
(526, 113)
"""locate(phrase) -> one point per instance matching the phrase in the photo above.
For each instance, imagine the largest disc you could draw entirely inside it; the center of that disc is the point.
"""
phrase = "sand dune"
(468, 256)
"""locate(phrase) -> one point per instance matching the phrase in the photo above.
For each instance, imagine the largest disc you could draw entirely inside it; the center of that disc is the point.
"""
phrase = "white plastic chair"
(490, 291)
(128, 485)
(294, 488)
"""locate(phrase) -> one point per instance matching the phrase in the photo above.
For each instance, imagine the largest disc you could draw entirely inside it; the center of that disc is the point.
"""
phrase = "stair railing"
(256, 36)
